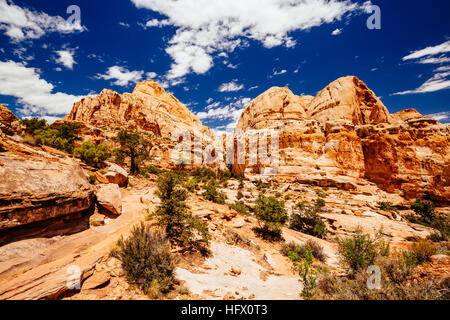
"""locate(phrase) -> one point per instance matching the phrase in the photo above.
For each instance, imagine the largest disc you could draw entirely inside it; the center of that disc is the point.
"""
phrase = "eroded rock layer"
(346, 136)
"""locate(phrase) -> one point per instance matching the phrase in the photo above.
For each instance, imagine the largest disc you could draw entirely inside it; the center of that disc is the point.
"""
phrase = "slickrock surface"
(36, 186)
(345, 136)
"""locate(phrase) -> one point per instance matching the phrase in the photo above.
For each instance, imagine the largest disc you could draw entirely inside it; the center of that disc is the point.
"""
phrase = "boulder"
(110, 198)
(36, 186)
(116, 175)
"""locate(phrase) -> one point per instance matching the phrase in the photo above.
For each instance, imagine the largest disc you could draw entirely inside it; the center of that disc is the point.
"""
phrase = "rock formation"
(36, 186)
(148, 108)
(346, 136)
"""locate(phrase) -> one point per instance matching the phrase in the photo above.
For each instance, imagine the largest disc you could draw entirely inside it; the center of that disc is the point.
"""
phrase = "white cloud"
(277, 73)
(122, 76)
(336, 32)
(66, 58)
(157, 23)
(429, 51)
(437, 60)
(231, 112)
(151, 75)
(34, 93)
(232, 86)
(442, 117)
(441, 77)
(124, 24)
(438, 82)
(21, 23)
(205, 27)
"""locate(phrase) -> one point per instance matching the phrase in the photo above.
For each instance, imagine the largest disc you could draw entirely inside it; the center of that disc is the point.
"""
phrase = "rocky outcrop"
(116, 175)
(6, 116)
(349, 99)
(346, 136)
(148, 108)
(110, 198)
(36, 186)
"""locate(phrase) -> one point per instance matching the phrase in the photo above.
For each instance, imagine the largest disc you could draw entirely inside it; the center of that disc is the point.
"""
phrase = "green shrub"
(388, 207)
(427, 216)
(357, 252)
(152, 170)
(180, 226)
(192, 184)
(135, 146)
(241, 208)
(93, 154)
(240, 195)
(204, 174)
(308, 276)
(295, 252)
(397, 284)
(33, 124)
(92, 179)
(212, 194)
(61, 137)
(147, 260)
(261, 186)
(420, 252)
(271, 215)
(308, 221)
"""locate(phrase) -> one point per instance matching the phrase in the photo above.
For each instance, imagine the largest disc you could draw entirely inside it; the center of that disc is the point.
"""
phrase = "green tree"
(93, 154)
(33, 124)
(271, 215)
(212, 194)
(308, 220)
(172, 214)
(133, 145)
(61, 137)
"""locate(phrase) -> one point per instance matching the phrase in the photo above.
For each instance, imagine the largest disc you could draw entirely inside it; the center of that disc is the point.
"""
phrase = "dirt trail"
(38, 268)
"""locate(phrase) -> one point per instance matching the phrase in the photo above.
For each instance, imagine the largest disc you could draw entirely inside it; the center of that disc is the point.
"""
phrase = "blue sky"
(217, 55)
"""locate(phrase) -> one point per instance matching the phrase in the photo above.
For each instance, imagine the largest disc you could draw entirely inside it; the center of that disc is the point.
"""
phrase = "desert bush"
(241, 208)
(204, 174)
(180, 226)
(212, 194)
(192, 184)
(296, 252)
(308, 221)
(308, 276)
(133, 145)
(33, 124)
(261, 186)
(426, 215)
(396, 284)
(388, 207)
(271, 216)
(61, 137)
(357, 252)
(421, 251)
(151, 169)
(93, 154)
(147, 260)
(240, 195)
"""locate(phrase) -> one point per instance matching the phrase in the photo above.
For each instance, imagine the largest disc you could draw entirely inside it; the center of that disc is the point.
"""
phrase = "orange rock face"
(148, 108)
(346, 136)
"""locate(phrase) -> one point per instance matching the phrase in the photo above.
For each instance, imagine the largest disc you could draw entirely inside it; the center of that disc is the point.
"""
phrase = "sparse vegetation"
(426, 215)
(33, 124)
(271, 215)
(180, 226)
(240, 207)
(93, 154)
(307, 220)
(296, 252)
(147, 260)
(61, 137)
(360, 251)
(388, 207)
(212, 194)
(133, 145)
(420, 252)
